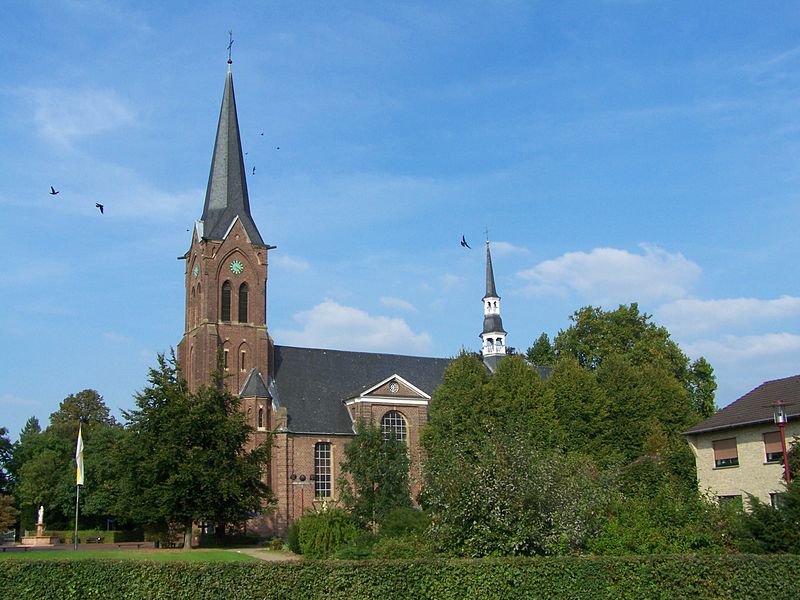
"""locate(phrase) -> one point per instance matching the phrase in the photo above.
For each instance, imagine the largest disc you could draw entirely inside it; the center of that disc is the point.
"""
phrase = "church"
(309, 398)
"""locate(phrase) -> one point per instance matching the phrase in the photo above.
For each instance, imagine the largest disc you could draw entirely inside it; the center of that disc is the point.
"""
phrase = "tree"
(187, 460)
(375, 472)
(45, 463)
(8, 514)
(542, 352)
(493, 482)
(702, 385)
(582, 408)
(6, 452)
(596, 334)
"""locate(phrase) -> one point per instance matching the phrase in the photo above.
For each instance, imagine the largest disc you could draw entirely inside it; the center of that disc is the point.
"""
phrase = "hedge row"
(730, 576)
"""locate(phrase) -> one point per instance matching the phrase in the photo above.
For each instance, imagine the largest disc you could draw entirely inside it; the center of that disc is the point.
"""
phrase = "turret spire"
(493, 335)
(226, 195)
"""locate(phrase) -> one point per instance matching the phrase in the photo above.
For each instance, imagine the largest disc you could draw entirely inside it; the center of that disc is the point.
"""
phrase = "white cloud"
(398, 303)
(611, 275)
(63, 116)
(507, 249)
(743, 349)
(289, 263)
(693, 316)
(331, 325)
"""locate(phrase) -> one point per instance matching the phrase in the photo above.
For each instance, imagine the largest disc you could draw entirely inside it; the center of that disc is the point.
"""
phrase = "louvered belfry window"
(225, 310)
(243, 303)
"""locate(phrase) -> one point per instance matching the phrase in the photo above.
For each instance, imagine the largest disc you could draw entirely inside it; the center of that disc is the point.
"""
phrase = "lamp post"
(779, 416)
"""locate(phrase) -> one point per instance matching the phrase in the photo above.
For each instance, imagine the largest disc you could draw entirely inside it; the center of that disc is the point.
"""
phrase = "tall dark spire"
(491, 292)
(226, 195)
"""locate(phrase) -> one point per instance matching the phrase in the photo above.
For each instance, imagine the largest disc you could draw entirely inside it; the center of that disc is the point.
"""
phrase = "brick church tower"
(226, 279)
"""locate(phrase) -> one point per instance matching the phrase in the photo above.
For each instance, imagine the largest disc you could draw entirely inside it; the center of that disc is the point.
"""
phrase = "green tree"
(768, 529)
(8, 514)
(45, 463)
(493, 482)
(582, 408)
(541, 353)
(186, 458)
(702, 385)
(596, 334)
(638, 396)
(6, 453)
(375, 475)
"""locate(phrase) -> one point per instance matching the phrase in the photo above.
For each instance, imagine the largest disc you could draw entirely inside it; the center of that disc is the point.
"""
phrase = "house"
(738, 451)
(309, 398)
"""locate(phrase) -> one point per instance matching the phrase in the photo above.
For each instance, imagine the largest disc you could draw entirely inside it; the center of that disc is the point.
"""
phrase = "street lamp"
(779, 416)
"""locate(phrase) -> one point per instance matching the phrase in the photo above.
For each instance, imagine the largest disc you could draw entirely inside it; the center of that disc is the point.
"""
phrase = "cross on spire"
(230, 45)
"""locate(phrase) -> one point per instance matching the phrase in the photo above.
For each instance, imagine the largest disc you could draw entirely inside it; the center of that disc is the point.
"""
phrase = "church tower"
(493, 337)
(226, 273)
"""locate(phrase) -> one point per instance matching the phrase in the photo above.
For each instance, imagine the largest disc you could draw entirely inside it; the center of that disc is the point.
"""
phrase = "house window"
(243, 303)
(731, 500)
(322, 470)
(725, 453)
(225, 312)
(773, 447)
(777, 500)
(394, 421)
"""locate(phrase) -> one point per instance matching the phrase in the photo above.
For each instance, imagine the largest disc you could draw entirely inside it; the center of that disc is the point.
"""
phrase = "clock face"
(237, 267)
(393, 387)
(196, 271)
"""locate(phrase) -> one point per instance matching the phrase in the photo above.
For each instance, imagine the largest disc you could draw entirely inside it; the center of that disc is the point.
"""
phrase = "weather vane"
(230, 45)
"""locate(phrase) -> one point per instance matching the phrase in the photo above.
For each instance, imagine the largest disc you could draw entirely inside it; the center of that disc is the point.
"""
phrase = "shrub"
(293, 538)
(276, 543)
(408, 547)
(403, 522)
(322, 534)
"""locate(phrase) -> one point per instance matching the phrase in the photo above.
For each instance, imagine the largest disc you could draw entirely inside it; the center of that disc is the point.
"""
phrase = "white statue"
(41, 516)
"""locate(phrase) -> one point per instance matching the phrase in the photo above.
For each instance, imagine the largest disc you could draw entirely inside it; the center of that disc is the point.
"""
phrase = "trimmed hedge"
(686, 576)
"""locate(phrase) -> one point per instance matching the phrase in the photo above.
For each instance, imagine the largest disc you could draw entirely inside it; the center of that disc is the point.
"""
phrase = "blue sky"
(617, 151)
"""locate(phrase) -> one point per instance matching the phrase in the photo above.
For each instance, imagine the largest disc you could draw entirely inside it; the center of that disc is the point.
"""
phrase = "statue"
(41, 516)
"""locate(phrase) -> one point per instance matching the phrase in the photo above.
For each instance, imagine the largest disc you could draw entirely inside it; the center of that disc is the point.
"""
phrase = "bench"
(135, 545)
(94, 540)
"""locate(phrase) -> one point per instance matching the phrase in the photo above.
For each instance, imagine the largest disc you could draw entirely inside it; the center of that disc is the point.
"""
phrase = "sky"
(615, 151)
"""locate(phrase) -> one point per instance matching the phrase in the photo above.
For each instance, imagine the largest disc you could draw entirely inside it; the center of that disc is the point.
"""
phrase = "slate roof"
(312, 383)
(226, 194)
(491, 291)
(254, 386)
(756, 406)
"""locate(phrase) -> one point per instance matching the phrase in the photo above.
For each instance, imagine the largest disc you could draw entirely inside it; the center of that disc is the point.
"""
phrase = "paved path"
(269, 555)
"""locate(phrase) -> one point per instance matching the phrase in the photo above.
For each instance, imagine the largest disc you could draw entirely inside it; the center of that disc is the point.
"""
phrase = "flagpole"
(78, 479)
(77, 495)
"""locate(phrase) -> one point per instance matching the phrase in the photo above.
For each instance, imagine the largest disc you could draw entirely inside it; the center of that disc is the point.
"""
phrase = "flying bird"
(464, 243)
(100, 206)
(53, 191)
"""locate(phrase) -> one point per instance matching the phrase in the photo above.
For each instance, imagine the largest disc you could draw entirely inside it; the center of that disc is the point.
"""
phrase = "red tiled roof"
(756, 406)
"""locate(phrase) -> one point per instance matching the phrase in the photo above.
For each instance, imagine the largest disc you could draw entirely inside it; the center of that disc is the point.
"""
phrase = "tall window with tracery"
(243, 303)
(394, 421)
(322, 470)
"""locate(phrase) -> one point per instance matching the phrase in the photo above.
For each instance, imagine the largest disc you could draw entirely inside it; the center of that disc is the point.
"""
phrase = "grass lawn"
(199, 554)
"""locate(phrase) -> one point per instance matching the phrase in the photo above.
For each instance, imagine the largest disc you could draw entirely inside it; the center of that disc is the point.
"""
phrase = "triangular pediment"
(394, 387)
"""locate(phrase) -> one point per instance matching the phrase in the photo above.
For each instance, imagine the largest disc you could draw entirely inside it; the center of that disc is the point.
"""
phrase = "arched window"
(393, 421)
(243, 303)
(225, 312)
(322, 470)
(261, 417)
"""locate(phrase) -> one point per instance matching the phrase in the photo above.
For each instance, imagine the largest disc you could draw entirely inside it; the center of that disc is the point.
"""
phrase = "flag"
(79, 458)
